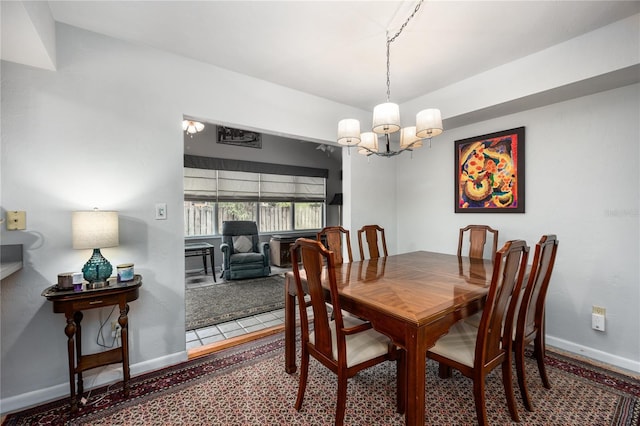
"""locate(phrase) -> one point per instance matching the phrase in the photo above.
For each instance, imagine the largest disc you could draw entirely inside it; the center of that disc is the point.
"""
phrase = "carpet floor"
(247, 385)
(208, 303)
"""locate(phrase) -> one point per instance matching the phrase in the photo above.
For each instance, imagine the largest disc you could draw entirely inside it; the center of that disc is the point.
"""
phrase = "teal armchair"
(243, 255)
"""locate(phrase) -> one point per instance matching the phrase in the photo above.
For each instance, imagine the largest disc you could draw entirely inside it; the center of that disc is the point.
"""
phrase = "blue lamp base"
(97, 268)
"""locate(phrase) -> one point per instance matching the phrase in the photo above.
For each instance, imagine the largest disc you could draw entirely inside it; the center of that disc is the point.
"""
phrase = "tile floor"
(216, 333)
(226, 330)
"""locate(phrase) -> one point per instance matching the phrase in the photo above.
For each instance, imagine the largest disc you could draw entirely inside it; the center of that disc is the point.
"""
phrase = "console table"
(204, 250)
(71, 304)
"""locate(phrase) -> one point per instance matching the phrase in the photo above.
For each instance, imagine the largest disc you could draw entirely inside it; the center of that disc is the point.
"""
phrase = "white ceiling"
(336, 49)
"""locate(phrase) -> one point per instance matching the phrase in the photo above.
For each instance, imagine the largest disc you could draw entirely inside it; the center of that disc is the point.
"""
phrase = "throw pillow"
(242, 244)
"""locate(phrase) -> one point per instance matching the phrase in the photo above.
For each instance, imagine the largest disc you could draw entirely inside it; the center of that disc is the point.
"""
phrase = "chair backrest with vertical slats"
(531, 311)
(332, 237)
(314, 255)
(477, 240)
(508, 274)
(371, 235)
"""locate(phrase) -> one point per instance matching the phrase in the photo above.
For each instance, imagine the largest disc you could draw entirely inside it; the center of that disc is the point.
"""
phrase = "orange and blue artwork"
(489, 173)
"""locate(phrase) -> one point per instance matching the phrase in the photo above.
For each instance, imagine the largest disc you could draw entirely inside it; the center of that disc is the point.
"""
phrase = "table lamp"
(95, 229)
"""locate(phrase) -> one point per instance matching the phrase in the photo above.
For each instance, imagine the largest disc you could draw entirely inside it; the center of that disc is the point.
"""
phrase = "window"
(236, 211)
(199, 218)
(277, 202)
(308, 216)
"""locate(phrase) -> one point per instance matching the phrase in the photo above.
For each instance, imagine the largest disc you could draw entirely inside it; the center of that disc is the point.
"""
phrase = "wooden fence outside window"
(273, 217)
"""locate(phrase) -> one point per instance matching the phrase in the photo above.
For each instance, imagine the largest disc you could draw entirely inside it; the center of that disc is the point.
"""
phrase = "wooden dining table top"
(416, 287)
(413, 298)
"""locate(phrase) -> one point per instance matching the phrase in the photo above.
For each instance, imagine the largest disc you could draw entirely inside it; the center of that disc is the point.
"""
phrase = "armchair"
(243, 255)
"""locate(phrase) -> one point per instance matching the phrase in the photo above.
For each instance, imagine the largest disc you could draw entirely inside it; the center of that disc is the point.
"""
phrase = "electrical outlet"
(597, 317)
(115, 330)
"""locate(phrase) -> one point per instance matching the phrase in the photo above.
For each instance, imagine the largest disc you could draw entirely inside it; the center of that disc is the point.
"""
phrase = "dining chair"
(477, 351)
(331, 237)
(477, 240)
(529, 325)
(371, 234)
(345, 345)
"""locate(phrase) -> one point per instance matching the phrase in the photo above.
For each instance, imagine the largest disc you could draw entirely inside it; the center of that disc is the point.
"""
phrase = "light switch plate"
(161, 211)
(16, 220)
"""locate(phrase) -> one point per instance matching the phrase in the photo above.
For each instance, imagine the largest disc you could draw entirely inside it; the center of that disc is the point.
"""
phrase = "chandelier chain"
(386, 116)
(391, 40)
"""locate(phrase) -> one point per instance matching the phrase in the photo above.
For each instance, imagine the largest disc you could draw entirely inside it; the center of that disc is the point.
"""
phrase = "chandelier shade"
(368, 144)
(428, 123)
(408, 138)
(386, 120)
(349, 132)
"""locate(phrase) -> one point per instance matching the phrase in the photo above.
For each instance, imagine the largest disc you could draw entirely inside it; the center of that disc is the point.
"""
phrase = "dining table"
(413, 298)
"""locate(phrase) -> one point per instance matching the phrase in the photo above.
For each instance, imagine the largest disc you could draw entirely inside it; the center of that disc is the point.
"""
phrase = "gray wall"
(581, 184)
(105, 130)
(275, 150)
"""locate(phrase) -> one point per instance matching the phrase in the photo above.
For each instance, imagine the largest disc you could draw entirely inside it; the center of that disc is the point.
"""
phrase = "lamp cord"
(391, 40)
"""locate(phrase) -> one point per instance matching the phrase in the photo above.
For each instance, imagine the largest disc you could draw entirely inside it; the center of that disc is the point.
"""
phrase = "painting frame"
(490, 173)
(239, 137)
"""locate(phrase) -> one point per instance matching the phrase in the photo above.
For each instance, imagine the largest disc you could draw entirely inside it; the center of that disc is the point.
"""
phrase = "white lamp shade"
(428, 123)
(349, 132)
(370, 141)
(386, 118)
(94, 229)
(408, 137)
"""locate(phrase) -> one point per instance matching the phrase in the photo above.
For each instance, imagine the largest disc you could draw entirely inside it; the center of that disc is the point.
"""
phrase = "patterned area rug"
(209, 303)
(247, 385)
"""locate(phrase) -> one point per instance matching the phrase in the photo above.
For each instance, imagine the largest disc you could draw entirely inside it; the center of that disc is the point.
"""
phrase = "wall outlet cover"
(161, 211)
(16, 220)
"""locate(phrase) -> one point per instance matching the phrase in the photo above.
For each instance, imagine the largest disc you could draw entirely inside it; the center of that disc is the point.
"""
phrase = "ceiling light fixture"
(191, 127)
(386, 120)
(326, 148)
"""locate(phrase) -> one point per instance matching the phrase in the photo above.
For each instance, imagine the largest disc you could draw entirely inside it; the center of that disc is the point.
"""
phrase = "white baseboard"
(99, 377)
(595, 354)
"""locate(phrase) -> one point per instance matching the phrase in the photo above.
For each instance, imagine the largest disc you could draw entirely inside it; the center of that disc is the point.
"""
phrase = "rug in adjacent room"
(216, 303)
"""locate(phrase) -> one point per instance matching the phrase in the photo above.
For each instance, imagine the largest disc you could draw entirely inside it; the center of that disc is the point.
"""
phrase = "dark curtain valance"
(198, 162)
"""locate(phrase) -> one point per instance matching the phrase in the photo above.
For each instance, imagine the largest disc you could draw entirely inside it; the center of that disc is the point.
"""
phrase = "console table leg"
(77, 318)
(123, 320)
(70, 331)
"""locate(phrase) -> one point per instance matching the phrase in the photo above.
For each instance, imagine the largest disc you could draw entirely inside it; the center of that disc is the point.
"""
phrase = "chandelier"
(190, 127)
(386, 120)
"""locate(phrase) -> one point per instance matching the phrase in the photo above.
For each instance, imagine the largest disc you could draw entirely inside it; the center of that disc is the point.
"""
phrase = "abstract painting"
(489, 173)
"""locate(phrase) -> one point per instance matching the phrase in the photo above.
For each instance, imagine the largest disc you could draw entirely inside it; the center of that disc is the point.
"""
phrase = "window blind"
(221, 185)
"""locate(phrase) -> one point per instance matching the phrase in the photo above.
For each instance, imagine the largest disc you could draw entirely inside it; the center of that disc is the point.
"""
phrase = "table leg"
(70, 331)
(416, 380)
(213, 265)
(77, 317)
(204, 261)
(123, 320)
(289, 327)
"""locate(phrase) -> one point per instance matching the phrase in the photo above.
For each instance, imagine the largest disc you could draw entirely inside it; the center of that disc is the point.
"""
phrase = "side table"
(71, 304)
(204, 250)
